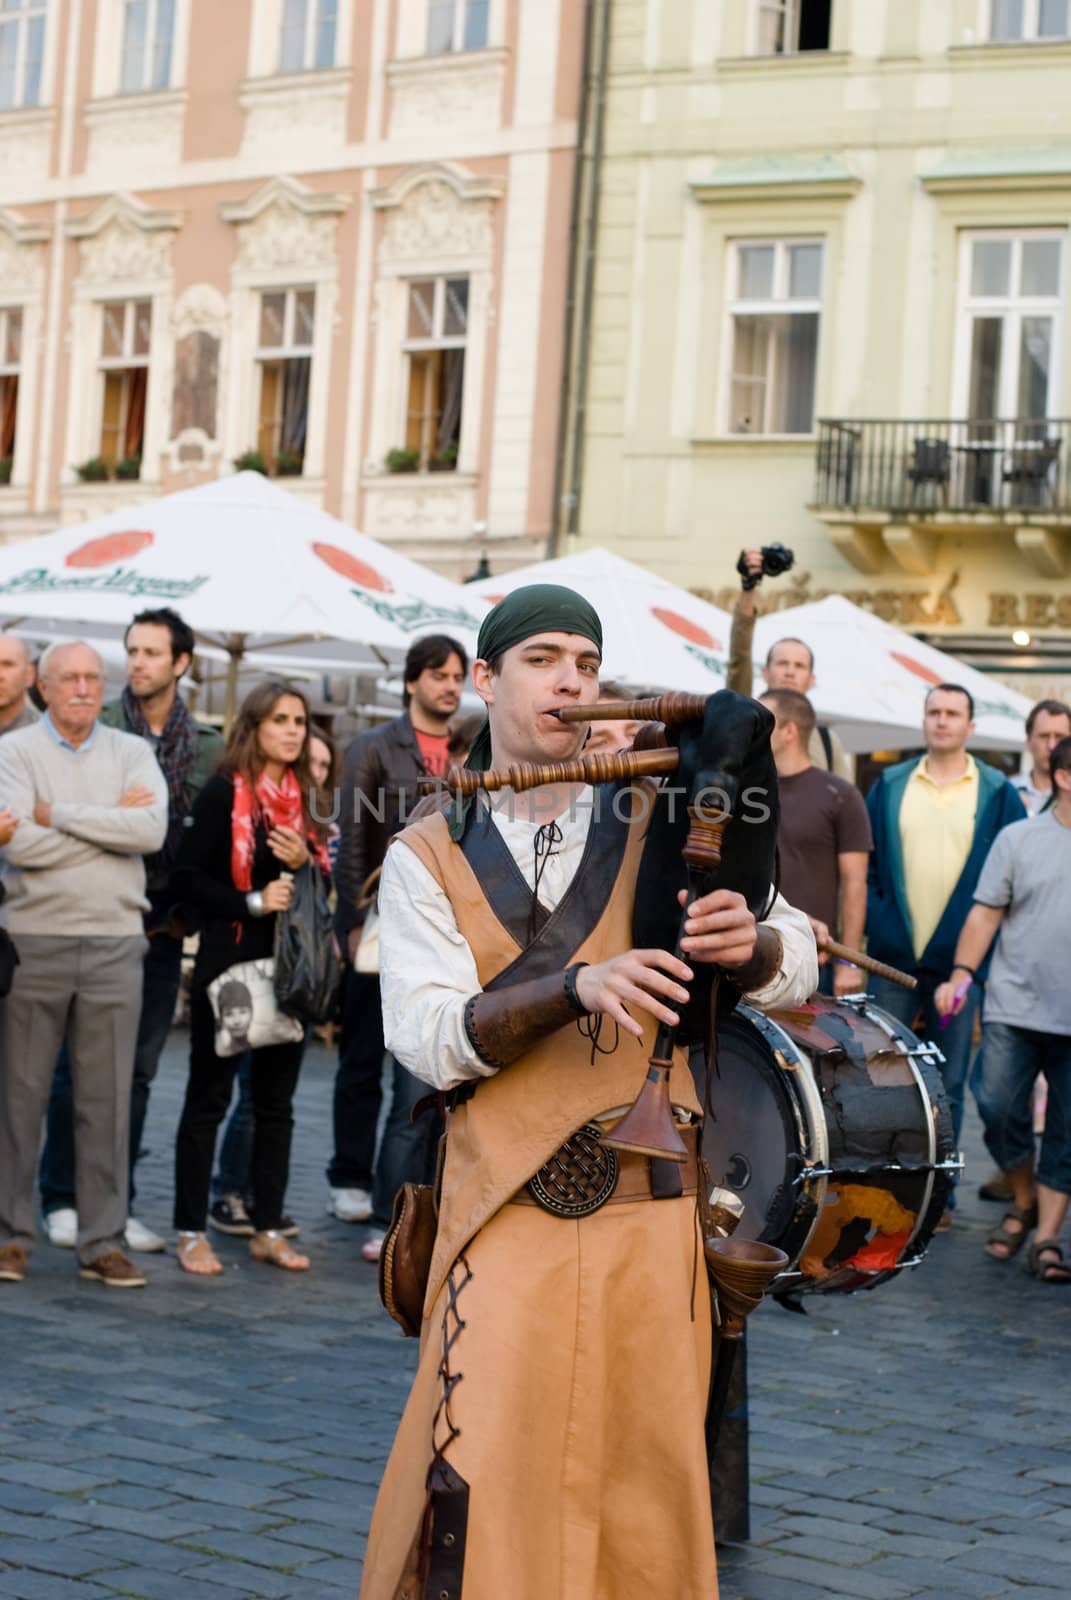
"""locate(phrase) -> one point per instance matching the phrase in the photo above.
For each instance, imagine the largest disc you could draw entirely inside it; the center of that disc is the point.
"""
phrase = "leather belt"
(585, 1175)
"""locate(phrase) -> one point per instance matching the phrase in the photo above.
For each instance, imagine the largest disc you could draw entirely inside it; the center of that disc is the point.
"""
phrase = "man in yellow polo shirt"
(933, 821)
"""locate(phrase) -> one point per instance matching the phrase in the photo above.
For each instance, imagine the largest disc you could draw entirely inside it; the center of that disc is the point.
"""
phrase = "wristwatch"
(255, 901)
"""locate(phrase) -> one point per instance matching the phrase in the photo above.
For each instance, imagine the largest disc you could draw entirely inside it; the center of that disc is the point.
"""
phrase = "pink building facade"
(328, 236)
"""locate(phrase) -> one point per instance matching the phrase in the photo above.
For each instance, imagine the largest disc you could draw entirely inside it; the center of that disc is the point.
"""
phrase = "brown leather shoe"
(13, 1260)
(115, 1270)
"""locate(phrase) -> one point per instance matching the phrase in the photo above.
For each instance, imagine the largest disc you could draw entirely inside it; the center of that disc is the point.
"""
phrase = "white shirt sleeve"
(426, 974)
(798, 976)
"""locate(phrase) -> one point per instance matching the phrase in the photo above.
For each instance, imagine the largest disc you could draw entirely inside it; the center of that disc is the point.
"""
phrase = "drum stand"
(727, 1457)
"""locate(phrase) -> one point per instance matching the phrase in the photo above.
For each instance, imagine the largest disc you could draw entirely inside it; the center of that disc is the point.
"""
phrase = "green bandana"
(537, 608)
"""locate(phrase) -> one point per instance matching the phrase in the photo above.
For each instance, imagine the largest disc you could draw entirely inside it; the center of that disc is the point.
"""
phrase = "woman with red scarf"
(250, 825)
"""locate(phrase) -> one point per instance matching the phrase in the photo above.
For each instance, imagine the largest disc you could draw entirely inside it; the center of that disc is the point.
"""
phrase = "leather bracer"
(765, 961)
(504, 1024)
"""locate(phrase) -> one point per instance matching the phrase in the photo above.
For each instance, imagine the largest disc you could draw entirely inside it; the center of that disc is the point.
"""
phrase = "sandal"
(272, 1247)
(196, 1255)
(1004, 1242)
(1056, 1272)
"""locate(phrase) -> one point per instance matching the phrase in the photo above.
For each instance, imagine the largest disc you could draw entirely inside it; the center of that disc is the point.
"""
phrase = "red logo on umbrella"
(927, 674)
(110, 547)
(348, 566)
(685, 629)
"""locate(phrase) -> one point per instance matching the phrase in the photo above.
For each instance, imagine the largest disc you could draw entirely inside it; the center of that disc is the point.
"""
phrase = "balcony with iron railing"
(888, 486)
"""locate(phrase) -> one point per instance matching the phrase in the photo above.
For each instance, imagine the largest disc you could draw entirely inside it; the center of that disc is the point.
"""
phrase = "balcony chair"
(1029, 471)
(931, 462)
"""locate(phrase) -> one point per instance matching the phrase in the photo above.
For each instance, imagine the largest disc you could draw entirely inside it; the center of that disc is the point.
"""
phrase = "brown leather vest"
(516, 1119)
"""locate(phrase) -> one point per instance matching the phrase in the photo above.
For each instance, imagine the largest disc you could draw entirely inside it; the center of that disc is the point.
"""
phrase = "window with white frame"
(437, 322)
(457, 25)
(1011, 311)
(786, 27)
(123, 368)
(307, 35)
(775, 307)
(284, 370)
(22, 52)
(10, 362)
(1024, 21)
(148, 39)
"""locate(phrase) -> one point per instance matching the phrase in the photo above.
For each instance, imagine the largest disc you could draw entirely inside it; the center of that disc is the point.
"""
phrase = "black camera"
(776, 558)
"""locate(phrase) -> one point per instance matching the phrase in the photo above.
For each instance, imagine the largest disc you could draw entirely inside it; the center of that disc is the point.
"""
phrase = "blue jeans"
(407, 1150)
(235, 1172)
(954, 1041)
(162, 975)
(1011, 1060)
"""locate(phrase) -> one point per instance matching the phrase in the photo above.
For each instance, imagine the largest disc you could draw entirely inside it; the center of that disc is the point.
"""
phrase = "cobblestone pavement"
(206, 1441)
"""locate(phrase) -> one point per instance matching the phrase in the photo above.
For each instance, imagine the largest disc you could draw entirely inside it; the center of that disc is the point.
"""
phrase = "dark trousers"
(954, 1039)
(358, 1082)
(273, 1079)
(162, 974)
(408, 1149)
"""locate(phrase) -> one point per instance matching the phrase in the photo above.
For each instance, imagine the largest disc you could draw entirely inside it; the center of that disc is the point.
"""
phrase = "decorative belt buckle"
(579, 1178)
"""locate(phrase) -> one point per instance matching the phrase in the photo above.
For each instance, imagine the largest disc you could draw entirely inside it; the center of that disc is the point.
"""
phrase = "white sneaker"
(61, 1227)
(138, 1237)
(350, 1205)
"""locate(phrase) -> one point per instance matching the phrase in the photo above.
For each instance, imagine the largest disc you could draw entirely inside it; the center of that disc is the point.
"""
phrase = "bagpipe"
(716, 750)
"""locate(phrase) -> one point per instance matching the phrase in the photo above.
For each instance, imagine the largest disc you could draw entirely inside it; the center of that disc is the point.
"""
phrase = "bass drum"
(831, 1124)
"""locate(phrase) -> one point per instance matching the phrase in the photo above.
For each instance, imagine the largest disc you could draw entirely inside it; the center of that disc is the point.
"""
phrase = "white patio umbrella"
(871, 678)
(655, 635)
(250, 567)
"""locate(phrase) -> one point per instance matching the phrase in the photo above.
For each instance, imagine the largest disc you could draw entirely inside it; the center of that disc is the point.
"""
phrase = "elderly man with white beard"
(91, 802)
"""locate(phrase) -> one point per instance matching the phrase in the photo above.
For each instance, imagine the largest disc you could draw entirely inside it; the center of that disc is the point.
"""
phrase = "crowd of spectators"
(955, 875)
(130, 827)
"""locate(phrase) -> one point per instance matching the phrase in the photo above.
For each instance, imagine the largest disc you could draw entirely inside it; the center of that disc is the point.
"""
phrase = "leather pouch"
(405, 1260)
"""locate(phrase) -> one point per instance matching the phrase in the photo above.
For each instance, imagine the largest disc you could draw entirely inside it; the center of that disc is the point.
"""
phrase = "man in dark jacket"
(380, 773)
(159, 649)
(933, 821)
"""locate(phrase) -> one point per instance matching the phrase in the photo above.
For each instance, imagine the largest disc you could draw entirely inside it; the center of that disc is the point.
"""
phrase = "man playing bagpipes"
(552, 1446)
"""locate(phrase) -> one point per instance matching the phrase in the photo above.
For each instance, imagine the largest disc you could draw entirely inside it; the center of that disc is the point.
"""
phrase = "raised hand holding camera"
(768, 562)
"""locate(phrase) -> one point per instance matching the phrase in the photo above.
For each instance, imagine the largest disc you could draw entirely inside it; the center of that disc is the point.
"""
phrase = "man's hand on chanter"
(720, 929)
(639, 977)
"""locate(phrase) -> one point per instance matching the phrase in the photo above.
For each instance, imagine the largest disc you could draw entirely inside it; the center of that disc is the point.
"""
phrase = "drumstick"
(856, 958)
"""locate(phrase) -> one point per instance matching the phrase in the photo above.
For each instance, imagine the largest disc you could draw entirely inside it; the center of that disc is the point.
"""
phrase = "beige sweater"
(83, 877)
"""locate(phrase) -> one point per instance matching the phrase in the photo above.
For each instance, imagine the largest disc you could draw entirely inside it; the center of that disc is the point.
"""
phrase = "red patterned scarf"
(279, 804)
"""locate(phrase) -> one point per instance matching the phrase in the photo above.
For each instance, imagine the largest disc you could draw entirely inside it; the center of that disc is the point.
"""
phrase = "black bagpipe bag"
(732, 741)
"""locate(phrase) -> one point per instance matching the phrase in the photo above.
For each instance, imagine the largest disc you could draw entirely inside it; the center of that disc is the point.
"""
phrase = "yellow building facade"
(829, 306)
